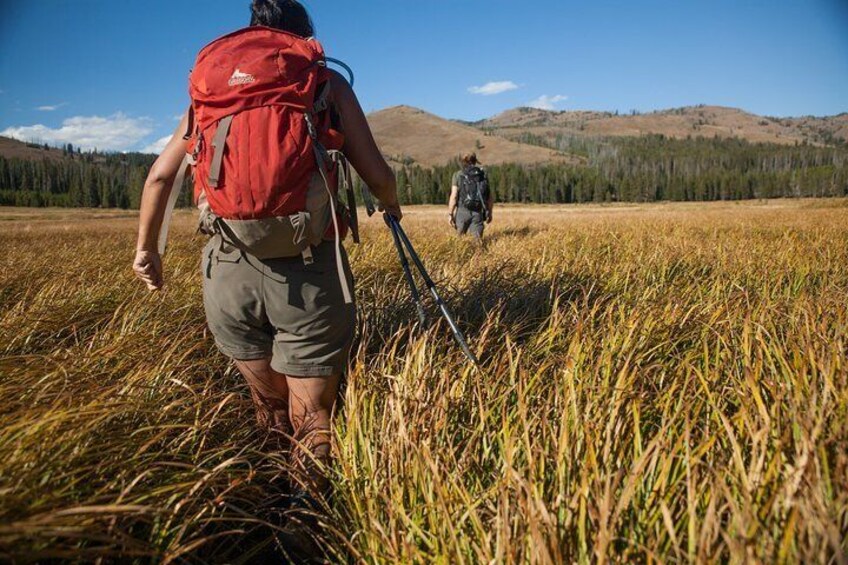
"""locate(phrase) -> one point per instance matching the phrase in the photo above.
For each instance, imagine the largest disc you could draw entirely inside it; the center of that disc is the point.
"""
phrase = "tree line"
(79, 179)
(651, 168)
(648, 168)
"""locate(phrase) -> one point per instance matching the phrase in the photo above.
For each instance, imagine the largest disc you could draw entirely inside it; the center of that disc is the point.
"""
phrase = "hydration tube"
(343, 65)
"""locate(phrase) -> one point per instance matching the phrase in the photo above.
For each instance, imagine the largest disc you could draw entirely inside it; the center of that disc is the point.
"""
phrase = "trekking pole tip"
(422, 316)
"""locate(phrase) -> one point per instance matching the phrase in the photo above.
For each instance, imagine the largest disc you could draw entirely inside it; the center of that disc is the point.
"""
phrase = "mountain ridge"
(408, 135)
(687, 121)
(529, 136)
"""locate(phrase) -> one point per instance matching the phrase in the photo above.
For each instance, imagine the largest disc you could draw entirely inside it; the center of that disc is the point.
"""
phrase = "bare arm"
(361, 149)
(157, 188)
(452, 203)
(148, 264)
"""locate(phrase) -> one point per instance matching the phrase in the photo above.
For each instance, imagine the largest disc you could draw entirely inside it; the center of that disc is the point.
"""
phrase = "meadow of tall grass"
(663, 383)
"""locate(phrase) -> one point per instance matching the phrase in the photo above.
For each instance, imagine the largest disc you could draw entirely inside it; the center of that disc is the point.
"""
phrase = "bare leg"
(270, 394)
(298, 406)
(311, 402)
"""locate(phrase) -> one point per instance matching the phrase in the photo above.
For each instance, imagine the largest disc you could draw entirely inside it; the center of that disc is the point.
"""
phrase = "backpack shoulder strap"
(190, 125)
(322, 99)
(176, 188)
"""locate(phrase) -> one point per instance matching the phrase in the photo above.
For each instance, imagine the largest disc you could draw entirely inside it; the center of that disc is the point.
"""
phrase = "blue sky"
(113, 74)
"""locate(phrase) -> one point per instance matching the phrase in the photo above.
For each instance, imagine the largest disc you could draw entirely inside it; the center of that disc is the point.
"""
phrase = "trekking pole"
(407, 272)
(401, 240)
(416, 296)
(399, 234)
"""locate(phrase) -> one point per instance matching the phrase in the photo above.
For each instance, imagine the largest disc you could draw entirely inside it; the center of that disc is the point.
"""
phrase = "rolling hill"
(526, 136)
(408, 135)
(694, 121)
(14, 149)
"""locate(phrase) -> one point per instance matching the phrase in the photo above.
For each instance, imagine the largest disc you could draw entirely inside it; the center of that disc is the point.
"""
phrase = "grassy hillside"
(410, 136)
(14, 149)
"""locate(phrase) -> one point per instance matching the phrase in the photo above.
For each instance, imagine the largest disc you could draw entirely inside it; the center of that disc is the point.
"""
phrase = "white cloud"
(545, 102)
(157, 146)
(117, 132)
(491, 88)
(51, 108)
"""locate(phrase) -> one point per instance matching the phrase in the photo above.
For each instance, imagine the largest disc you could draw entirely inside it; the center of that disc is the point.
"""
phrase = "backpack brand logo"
(241, 78)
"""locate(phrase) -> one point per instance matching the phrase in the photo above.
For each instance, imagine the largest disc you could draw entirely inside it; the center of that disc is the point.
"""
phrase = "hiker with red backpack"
(471, 202)
(268, 137)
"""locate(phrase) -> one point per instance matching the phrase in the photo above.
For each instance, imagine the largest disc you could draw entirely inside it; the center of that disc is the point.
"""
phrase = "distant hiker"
(267, 132)
(471, 202)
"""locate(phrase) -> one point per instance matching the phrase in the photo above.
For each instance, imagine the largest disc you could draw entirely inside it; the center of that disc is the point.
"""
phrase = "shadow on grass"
(497, 235)
(519, 302)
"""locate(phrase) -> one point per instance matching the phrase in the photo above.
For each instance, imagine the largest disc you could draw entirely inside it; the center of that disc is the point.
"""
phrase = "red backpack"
(266, 158)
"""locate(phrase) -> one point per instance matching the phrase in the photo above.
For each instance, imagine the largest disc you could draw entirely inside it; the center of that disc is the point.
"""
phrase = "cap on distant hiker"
(470, 159)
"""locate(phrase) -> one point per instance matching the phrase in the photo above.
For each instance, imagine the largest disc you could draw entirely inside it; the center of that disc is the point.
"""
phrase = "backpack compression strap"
(219, 142)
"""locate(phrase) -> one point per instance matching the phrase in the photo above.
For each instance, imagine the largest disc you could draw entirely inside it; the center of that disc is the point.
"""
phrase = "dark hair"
(469, 159)
(285, 15)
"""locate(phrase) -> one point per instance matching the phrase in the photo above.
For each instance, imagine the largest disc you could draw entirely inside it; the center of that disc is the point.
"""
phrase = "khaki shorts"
(279, 308)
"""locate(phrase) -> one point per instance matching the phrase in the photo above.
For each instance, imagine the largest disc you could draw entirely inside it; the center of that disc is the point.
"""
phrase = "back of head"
(469, 160)
(285, 15)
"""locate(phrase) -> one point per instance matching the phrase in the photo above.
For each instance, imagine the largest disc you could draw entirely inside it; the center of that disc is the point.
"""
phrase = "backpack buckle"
(310, 126)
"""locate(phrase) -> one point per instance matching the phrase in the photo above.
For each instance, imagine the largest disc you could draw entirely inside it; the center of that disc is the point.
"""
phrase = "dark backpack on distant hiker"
(473, 189)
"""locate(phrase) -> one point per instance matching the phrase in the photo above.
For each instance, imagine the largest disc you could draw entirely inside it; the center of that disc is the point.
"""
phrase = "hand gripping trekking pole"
(400, 237)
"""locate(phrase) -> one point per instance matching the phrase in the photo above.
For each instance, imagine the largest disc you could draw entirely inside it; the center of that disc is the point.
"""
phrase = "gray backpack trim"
(278, 236)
